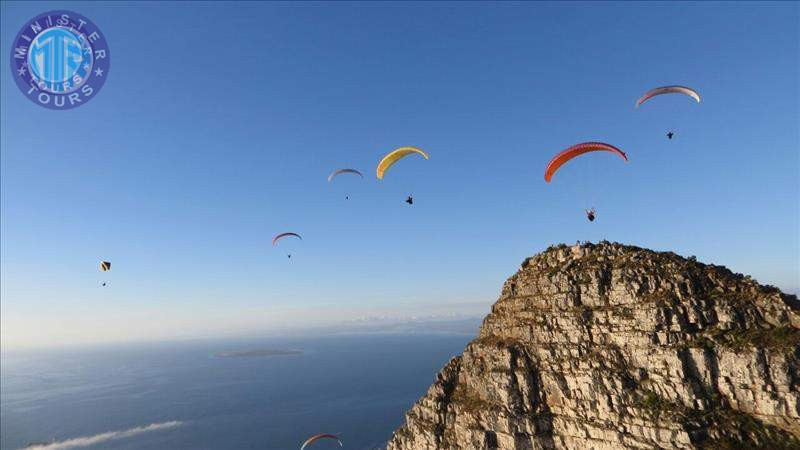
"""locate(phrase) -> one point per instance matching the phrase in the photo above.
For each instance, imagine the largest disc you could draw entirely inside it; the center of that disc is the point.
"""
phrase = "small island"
(257, 353)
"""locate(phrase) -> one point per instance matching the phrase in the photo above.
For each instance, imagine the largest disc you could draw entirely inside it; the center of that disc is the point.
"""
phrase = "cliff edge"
(610, 346)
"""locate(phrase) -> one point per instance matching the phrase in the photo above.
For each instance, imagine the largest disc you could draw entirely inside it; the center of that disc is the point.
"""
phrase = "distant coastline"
(257, 353)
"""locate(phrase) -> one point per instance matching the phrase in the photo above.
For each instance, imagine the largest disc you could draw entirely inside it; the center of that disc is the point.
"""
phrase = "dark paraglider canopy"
(283, 235)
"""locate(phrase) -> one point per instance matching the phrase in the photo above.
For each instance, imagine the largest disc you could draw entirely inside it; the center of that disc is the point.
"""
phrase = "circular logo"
(60, 59)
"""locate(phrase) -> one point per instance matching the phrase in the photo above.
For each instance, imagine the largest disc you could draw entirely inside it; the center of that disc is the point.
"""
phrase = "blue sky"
(219, 124)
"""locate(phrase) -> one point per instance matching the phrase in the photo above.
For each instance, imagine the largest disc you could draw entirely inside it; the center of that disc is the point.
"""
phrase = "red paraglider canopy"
(321, 436)
(577, 150)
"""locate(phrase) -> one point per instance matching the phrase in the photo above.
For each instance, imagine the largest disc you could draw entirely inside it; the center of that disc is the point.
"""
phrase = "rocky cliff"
(610, 346)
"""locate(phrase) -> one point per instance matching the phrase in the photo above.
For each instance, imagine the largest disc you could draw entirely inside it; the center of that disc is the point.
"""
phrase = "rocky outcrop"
(610, 346)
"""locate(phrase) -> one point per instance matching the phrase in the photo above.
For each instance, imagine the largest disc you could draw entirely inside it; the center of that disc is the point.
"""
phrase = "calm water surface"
(355, 385)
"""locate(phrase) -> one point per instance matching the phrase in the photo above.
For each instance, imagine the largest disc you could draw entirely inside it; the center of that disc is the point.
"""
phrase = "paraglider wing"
(105, 266)
(577, 150)
(321, 436)
(283, 235)
(668, 90)
(394, 156)
(341, 171)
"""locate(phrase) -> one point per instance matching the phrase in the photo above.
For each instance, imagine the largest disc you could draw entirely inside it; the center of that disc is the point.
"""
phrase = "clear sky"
(219, 124)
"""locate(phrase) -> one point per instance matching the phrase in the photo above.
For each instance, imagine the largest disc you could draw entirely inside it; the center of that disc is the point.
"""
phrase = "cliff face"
(609, 346)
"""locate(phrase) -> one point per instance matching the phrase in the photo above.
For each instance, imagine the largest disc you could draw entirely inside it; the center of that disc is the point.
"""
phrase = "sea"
(264, 393)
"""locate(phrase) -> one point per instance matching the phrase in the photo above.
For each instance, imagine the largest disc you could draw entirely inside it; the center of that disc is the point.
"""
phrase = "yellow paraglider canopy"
(396, 155)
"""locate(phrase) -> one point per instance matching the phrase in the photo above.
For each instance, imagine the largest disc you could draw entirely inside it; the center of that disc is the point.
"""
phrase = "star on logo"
(21, 71)
(98, 72)
(87, 67)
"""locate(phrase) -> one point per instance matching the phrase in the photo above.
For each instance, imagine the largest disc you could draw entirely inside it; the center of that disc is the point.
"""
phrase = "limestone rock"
(610, 346)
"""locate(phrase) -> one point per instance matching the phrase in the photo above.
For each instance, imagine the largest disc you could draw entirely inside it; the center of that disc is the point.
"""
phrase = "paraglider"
(336, 173)
(668, 90)
(590, 214)
(394, 156)
(577, 150)
(317, 437)
(105, 266)
(670, 134)
(284, 235)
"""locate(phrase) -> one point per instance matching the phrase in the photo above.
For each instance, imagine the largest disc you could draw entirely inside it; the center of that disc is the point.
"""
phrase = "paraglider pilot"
(670, 134)
(410, 200)
(590, 214)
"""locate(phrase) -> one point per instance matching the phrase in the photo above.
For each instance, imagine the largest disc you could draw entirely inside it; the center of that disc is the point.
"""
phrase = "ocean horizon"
(267, 393)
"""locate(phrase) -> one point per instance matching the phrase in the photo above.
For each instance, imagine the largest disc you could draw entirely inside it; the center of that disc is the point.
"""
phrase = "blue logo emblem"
(60, 59)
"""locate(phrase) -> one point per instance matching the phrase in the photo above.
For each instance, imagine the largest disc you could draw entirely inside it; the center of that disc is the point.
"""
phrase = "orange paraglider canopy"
(577, 150)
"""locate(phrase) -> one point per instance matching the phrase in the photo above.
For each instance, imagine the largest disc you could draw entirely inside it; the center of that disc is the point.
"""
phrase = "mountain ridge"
(611, 346)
